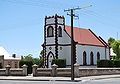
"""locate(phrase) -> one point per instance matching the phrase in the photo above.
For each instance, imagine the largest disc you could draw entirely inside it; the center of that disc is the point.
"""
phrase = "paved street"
(36, 82)
(101, 81)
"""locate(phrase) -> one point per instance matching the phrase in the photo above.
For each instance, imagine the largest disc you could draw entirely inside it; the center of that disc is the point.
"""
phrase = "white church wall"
(88, 50)
(65, 39)
(50, 40)
(107, 51)
(48, 49)
(50, 21)
(65, 53)
(60, 20)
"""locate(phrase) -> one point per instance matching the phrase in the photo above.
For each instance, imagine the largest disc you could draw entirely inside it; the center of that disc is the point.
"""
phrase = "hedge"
(28, 63)
(108, 63)
(60, 62)
(116, 63)
(105, 63)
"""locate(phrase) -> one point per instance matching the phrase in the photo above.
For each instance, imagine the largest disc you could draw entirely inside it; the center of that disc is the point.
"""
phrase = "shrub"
(105, 63)
(60, 62)
(28, 63)
(116, 63)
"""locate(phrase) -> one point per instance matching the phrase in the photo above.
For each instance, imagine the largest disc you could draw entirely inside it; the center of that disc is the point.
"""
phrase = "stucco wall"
(65, 39)
(89, 49)
(65, 53)
(50, 21)
(66, 72)
(50, 48)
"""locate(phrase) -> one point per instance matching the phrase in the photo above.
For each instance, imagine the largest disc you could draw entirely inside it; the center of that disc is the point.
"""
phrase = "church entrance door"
(50, 61)
(50, 57)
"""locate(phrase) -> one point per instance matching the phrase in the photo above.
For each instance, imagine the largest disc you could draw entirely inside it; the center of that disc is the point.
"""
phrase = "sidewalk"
(31, 78)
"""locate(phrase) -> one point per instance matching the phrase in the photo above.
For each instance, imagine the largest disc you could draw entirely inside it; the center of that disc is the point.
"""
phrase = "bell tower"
(53, 30)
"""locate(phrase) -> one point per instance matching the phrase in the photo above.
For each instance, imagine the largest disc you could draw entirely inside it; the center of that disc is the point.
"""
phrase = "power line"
(99, 18)
(101, 21)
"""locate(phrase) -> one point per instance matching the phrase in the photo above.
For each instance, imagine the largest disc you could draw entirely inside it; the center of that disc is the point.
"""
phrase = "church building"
(57, 43)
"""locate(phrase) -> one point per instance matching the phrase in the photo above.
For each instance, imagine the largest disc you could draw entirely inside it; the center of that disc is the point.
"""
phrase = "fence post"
(24, 70)
(7, 70)
(54, 70)
(34, 71)
(76, 70)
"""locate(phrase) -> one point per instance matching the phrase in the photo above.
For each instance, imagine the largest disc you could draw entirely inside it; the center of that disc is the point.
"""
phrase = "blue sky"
(22, 21)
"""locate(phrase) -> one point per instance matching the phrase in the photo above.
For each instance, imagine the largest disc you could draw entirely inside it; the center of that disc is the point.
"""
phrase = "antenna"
(117, 35)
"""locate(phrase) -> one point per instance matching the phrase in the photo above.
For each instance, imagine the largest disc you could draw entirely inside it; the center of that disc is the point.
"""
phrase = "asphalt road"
(36, 82)
(101, 81)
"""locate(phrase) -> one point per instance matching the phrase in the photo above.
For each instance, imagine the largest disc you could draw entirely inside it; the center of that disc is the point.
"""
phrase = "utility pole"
(72, 37)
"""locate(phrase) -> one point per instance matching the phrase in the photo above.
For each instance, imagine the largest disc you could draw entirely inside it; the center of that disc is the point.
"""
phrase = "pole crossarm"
(77, 8)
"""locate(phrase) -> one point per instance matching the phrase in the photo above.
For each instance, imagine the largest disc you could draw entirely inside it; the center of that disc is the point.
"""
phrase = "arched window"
(84, 58)
(98, 56)
(50, 31)
(60, 31)
(91, 58)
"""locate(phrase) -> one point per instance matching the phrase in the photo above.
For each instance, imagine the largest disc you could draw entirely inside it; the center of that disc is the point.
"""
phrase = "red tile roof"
(84, 36)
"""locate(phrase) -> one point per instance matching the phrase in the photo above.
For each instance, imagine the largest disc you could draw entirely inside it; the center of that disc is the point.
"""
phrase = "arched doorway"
(98, 56)
(84, 58)
(50, 57)
(91, 58)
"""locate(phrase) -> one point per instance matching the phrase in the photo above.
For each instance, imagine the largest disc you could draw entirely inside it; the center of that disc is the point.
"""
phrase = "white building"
(57, 43)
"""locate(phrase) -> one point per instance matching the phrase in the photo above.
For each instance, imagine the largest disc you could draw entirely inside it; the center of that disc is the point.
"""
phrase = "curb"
(37, 79)
(56, 79)
(106, 78)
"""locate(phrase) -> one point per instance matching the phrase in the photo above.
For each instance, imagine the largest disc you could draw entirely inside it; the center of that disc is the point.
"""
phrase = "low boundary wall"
(8, 71)
(78, 72)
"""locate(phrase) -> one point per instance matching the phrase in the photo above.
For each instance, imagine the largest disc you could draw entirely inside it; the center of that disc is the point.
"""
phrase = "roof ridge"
(103, 41)
(96, 36)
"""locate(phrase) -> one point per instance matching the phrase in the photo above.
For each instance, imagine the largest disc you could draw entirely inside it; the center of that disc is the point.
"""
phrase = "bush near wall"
(28, 63)
(116, 63)
(105, 63)
(108, 63)
(60, 62)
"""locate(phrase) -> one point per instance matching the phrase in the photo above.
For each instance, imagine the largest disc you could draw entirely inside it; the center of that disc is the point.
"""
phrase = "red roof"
(84, 36)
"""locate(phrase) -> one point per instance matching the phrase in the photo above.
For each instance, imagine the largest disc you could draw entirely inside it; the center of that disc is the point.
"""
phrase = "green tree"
(36, 61)
(28, 57)
(111, 41)
(41, 53)
(116, 48)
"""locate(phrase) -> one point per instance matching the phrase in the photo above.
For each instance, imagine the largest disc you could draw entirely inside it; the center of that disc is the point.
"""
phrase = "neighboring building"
(6, 59)
(57, 43)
